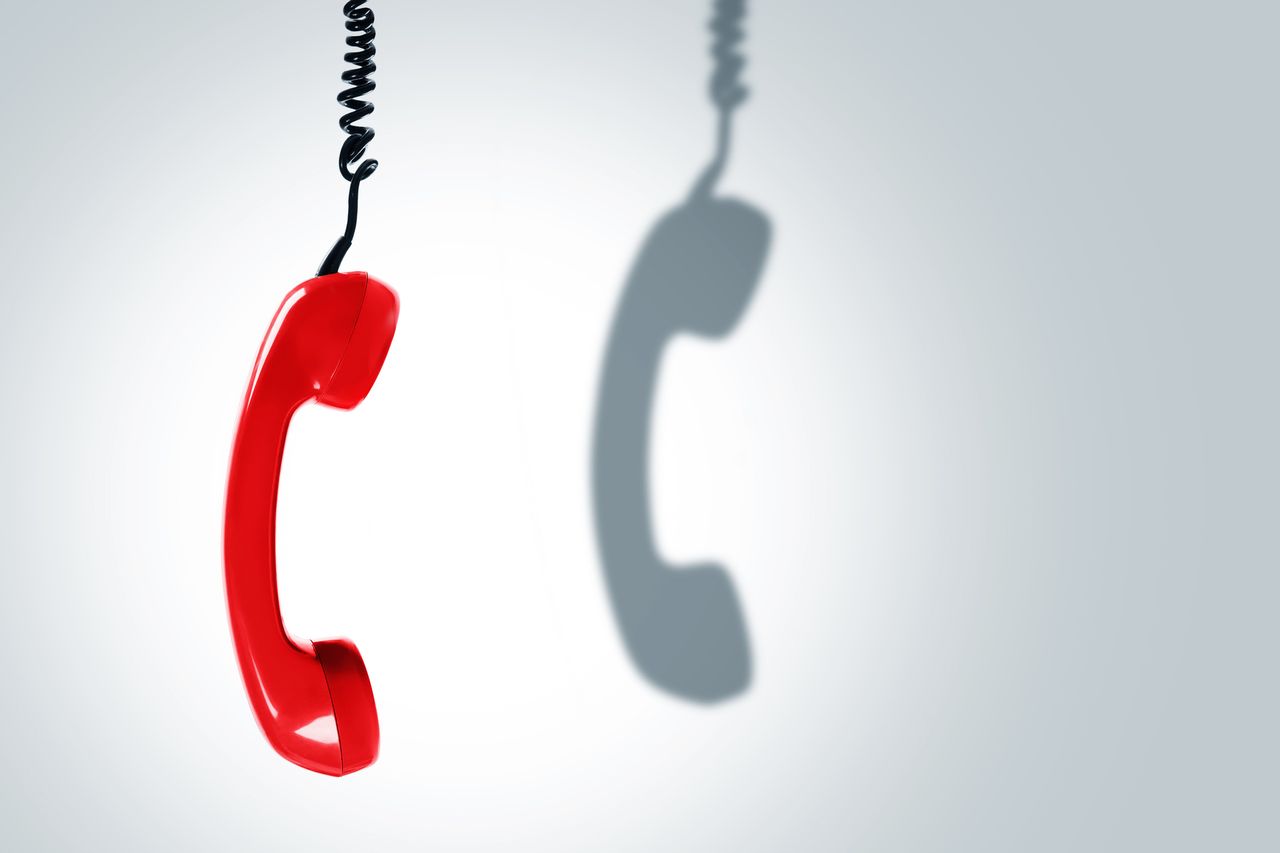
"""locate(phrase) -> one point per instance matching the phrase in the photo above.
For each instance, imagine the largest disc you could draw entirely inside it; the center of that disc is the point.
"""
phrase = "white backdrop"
(990, 458)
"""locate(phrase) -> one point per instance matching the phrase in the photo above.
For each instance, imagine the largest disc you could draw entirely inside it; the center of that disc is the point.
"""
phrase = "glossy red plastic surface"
(313, 700)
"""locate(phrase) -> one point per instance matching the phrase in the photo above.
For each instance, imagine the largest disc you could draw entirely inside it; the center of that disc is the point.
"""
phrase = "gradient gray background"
(991, 457)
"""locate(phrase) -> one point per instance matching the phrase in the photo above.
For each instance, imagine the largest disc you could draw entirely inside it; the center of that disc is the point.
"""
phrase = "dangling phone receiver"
(312, 699)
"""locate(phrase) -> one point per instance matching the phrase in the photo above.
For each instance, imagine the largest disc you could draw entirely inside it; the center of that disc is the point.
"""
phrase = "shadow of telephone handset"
(696, 273)
(327, 343)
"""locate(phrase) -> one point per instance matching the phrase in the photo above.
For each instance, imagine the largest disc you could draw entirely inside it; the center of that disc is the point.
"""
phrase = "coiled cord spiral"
(727, 91)
(360, 23)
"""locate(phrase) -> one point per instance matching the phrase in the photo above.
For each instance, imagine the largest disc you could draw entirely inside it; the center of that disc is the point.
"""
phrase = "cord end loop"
(334, 259)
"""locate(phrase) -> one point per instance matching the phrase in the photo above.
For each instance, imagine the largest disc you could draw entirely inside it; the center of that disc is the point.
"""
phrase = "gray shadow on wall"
(683, 626)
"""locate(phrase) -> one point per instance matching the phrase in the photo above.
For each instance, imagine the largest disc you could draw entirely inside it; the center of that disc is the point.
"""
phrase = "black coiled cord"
(360, 24)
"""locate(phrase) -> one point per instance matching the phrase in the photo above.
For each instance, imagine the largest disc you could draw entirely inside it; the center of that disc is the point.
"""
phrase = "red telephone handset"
(312, 699)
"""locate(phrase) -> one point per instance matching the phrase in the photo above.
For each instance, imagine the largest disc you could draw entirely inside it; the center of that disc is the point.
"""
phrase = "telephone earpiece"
(313, 699)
